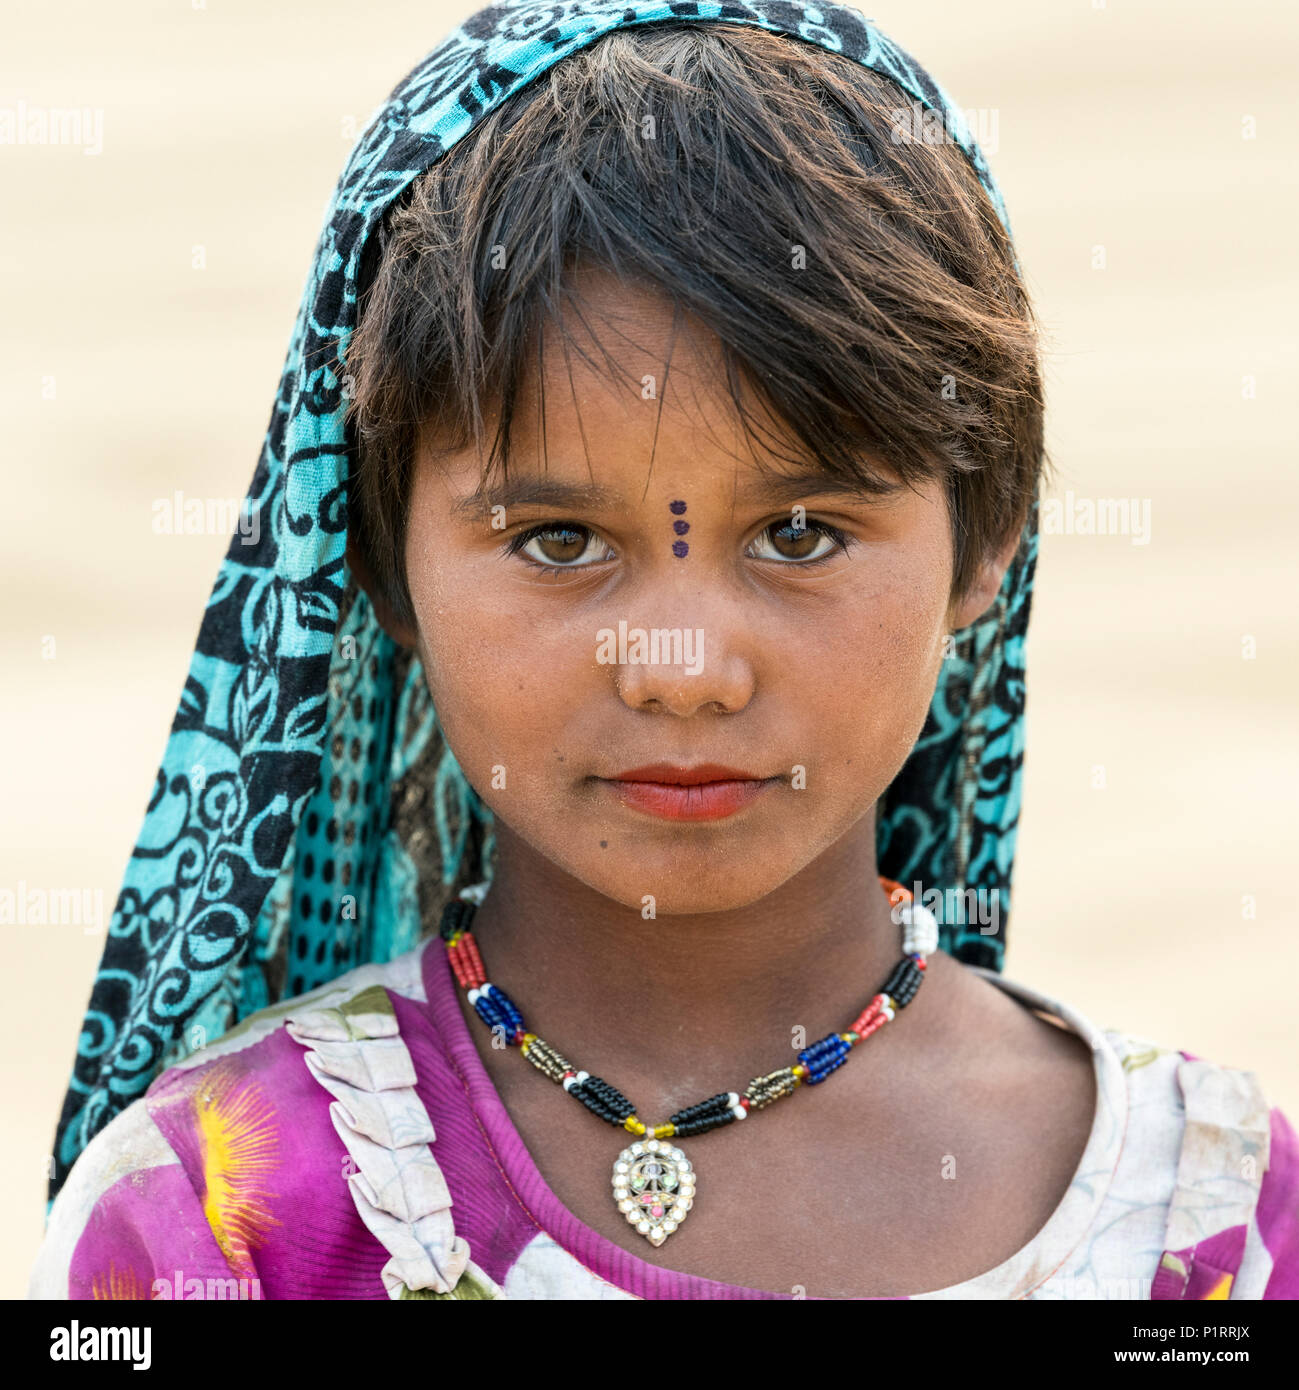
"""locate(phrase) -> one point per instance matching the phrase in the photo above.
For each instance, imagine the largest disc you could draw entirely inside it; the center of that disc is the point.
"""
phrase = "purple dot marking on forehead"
(680, 549)
(676, 508)
(680, 527)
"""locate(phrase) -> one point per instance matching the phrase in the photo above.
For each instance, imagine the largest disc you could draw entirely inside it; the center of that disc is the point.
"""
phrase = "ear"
(395, 626)
(970, 606)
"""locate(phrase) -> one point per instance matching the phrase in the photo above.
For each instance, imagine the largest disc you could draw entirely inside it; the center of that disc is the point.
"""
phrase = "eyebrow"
(542, 492)
(553, 492)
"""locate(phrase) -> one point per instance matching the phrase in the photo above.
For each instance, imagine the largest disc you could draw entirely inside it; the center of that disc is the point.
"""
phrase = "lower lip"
(706, 801)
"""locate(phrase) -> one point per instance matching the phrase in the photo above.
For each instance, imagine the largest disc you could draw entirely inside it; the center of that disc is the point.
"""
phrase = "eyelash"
(841, 539)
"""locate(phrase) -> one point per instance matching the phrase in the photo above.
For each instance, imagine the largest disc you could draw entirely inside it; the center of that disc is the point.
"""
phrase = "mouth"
(705, 792)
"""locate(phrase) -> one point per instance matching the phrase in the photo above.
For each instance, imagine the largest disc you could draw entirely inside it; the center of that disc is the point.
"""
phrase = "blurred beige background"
(1162, 902)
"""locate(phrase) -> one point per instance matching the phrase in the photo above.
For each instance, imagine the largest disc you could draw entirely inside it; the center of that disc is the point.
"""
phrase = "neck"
(679, 1007)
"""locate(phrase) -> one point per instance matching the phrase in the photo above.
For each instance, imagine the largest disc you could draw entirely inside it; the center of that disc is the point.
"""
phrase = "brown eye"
(561, 545)
(809, 543)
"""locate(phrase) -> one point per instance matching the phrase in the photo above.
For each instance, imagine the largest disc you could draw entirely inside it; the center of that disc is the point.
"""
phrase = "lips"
(705, 792)
(672, 776)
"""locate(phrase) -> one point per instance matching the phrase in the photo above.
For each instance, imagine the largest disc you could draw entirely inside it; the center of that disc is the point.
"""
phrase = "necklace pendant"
(654, 1187)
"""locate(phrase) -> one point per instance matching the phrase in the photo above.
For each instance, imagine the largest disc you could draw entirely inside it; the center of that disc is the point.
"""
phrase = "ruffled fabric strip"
(1220, 1169)
(356, 1053)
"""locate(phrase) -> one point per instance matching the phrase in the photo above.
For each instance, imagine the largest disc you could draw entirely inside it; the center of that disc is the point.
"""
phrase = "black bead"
(597, 1104)
(611, 1096)
(904, 980)
(456, 916)
(703, 1125)
(719, 1104)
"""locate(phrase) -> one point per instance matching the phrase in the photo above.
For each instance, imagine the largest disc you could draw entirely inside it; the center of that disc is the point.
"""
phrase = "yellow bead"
(633, 1125)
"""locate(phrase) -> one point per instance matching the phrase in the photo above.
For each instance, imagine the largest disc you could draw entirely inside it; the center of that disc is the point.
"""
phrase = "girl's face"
(802, 647)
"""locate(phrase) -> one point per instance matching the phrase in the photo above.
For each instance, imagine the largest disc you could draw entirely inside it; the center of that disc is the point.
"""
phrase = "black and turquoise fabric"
(307, 816)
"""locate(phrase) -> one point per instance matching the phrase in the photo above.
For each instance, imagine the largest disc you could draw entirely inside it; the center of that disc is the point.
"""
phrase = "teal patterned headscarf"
(308, 816)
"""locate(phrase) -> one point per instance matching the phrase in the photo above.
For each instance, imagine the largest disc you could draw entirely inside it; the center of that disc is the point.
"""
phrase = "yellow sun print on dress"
(118, 1285)
(236, 1127)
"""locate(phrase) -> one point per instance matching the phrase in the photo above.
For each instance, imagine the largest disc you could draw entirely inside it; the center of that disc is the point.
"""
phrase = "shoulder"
(235, 1150)
(1233, 1220)
(1203, 1163)
(119, 1174)
(262, 1078)
(313, 1109)
(264, 1090)
(1230, 1163)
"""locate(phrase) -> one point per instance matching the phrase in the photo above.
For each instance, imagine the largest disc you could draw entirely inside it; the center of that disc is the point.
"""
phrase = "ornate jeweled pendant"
(654, 1186)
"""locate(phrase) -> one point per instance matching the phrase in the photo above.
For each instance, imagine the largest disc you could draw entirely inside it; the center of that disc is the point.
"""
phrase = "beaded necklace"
(653, 1181)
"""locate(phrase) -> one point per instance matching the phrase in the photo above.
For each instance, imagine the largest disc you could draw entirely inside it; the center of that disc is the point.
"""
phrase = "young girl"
(617, 729)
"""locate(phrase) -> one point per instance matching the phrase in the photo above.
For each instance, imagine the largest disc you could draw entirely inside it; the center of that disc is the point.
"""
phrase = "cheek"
(495, 677)
(879, 660)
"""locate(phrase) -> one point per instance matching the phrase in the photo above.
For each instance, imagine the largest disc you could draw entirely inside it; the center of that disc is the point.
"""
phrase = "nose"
(682, 670)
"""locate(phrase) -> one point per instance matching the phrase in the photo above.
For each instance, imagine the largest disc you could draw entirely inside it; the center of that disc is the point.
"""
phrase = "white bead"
(625, 1205)
(739, 1112)
(921, 934)
(643, 1227)
(473, 996)
(669, 1226)
(569, 1082)
(581, 1076)
(653, 1146)
(732, 1098)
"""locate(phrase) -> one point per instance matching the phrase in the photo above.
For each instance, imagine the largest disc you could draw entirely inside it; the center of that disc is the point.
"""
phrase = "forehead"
(629, 394)
(625, 367)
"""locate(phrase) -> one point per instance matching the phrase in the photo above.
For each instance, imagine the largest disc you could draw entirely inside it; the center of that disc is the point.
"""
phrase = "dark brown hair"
(698, 158)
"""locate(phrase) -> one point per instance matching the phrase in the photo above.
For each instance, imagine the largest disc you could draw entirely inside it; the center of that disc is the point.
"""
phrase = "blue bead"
(508, 1013)
(831, 1046)
(487, 1011)
(820, 1074)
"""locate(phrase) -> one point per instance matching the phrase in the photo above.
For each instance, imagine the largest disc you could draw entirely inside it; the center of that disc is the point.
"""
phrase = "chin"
(682, 881)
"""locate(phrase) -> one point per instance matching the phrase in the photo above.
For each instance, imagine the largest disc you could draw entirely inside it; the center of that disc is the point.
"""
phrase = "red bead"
(877, 1022)
(473, 959)
(457, 965)
(867, 1014)
(745, 1102)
